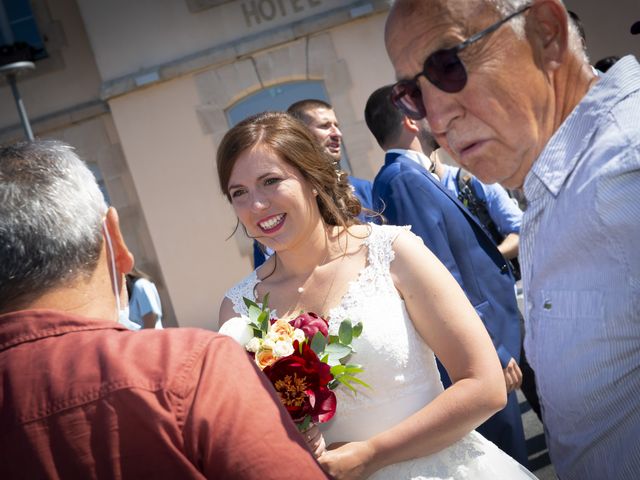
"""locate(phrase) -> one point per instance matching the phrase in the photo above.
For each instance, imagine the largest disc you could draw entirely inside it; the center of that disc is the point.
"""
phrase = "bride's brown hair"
(292, 141)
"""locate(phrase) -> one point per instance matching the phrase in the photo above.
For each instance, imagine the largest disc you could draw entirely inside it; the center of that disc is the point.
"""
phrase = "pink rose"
(310, 324)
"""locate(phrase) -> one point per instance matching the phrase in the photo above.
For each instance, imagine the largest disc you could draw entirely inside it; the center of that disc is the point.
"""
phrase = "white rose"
(283, 349)
(253, 345)
(299, 335)
(237, 328)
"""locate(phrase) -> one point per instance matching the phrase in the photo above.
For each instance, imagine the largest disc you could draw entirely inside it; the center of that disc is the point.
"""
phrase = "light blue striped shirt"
(581, 261)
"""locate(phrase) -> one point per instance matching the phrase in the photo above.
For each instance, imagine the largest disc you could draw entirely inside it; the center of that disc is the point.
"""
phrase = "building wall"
(607, 25)
(172, 164)
(151, 33)
(45, 90)
(142, 89)
(62, 100)
(170, 133)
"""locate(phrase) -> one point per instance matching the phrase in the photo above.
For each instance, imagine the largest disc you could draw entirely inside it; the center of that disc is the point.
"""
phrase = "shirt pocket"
(571, 305)
(569, 338)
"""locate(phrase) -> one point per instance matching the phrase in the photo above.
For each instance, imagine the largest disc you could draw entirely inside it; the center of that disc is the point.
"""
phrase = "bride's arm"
(448, 323)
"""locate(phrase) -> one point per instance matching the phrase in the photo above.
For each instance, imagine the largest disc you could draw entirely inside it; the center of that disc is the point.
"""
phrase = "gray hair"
(51, 212)
(506, 7)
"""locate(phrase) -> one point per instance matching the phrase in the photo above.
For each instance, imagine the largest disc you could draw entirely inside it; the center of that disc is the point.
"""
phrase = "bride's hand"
(351, 461)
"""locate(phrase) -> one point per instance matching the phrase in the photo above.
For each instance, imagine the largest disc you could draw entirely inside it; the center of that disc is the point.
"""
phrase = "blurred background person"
(145, 307)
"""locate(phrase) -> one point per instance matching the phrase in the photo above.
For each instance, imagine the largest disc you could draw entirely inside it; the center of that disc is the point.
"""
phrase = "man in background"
(321, 119)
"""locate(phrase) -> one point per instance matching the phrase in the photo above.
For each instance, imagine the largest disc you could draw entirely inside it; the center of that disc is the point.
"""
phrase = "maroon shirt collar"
(28, 325)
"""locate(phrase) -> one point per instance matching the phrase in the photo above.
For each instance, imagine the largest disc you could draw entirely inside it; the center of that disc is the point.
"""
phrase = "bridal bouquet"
(303, 362)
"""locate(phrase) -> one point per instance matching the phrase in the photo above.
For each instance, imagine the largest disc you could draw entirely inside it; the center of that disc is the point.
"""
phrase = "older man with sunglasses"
(507, 89)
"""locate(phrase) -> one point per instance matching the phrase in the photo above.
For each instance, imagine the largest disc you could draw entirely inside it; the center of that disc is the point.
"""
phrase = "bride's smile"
(272, 199)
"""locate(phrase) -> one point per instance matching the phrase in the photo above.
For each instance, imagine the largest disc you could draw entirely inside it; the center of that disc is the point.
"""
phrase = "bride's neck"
(321, 246)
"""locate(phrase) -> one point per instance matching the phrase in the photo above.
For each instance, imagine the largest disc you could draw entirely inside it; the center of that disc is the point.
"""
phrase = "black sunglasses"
(442, 68)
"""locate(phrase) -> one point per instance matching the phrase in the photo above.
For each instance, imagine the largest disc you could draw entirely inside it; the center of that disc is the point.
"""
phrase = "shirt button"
(547, 305)
(504, 268)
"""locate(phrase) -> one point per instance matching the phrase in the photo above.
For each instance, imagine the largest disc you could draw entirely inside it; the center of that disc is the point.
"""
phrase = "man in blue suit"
(408, 192)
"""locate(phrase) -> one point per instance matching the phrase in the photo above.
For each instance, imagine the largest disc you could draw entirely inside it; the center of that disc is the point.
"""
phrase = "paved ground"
(539, 462)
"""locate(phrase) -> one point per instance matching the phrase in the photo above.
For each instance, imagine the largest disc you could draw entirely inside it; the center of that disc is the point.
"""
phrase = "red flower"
(301, 382)
(310, 324)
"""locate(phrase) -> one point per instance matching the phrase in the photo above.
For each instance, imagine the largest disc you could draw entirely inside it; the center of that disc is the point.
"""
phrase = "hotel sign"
(256, 12)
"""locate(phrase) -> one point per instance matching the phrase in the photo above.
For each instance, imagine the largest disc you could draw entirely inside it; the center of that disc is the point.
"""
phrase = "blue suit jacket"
(362, 190)
(409, 195)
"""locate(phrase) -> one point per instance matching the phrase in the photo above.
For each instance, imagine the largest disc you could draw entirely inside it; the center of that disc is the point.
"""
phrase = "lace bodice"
(401, 369)
(399, 366)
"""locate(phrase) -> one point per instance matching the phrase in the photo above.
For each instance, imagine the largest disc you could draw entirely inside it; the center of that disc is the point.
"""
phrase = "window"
(19, 35)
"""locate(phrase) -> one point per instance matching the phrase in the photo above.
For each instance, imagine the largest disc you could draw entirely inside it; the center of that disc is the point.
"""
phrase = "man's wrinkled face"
(324, 125)
(492, 126)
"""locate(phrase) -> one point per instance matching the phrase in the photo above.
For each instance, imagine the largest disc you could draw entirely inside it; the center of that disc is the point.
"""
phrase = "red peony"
(310, 324)
(301, 382)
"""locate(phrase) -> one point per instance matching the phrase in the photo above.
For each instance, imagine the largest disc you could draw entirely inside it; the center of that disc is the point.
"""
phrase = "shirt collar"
(418, 157)
(568, 144)
(29, 325)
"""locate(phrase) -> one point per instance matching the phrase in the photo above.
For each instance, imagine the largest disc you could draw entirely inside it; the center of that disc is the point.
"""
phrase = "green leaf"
(254, 313)
(304, 425)
(256, 331)
(338, 370)
(353, 369)
(345, 333)
(331, 361)
(338, 350)
(347, 379)
(357, 329)
(333, 339)
(250, 303)
(318, 343)
(346, 384)
(265, 302)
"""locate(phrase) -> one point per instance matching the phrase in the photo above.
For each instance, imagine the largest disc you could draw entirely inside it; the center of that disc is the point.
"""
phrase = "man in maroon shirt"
(83, 397)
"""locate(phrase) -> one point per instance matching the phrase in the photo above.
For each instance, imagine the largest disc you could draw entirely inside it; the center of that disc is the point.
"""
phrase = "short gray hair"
(51, 212)
(506, 7)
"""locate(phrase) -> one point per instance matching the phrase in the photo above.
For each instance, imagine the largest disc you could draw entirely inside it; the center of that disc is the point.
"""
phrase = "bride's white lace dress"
(401, 369)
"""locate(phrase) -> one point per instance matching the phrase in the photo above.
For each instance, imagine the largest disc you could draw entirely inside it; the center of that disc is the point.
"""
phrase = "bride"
(287, 194)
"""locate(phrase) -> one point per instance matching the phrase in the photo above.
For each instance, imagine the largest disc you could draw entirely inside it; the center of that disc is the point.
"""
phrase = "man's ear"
(122, 256)
(547, 28)
(410, 125)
